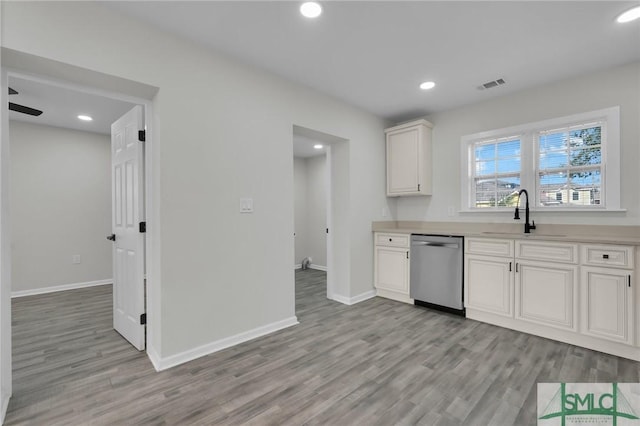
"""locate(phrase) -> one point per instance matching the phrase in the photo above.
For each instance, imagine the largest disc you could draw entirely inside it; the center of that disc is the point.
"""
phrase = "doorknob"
(111, 237)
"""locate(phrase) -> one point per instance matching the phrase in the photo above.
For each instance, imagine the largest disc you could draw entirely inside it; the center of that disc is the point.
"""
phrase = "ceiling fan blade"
(24, 109)
(12, 92)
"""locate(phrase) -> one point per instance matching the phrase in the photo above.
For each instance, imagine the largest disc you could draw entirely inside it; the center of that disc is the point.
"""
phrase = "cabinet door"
(607, 304)
(546, 293)
(392, 269)
(403, 174)
(488, 284)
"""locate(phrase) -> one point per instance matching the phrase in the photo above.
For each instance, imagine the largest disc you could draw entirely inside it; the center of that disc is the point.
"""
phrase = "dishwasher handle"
(434, 244)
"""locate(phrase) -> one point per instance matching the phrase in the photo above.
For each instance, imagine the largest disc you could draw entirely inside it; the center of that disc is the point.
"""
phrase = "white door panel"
(127, 160)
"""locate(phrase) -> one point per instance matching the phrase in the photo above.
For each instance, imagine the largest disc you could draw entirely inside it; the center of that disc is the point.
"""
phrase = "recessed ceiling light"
(311, 9)
(427, 85)
(318, 146)
(629, 15)
(85, 117)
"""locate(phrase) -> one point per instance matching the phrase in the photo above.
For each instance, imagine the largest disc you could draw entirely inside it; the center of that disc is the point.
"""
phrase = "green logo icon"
(588, 403)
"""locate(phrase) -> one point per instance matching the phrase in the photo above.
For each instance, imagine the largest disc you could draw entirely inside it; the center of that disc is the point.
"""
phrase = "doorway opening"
(320, 189)
(60, 202)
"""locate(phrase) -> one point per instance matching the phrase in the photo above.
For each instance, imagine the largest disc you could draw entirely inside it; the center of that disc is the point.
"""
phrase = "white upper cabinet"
(409, 159)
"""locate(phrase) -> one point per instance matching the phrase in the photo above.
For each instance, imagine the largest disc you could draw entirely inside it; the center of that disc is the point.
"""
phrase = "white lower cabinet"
(492, 280)
(546, 293)
(607, 300)
(581, 294)
(391, 266)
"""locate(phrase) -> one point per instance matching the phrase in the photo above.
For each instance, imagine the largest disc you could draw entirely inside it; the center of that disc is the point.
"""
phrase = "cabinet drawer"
(552, 252)
(489, 247)
(393, 240)
(607, 255)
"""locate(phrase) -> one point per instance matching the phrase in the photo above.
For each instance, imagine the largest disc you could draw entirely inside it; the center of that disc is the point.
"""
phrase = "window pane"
(586, 156)
(550, 185)
(496, 192)
(509, 165)
(508, 149)
(588, 185)
(485, 152)
(484, 168)
(553, 142)
(485, 199)
(590, 136)
(553, 160)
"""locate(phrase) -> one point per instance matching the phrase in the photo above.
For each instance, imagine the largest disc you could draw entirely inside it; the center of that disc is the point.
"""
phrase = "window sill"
(548, 210)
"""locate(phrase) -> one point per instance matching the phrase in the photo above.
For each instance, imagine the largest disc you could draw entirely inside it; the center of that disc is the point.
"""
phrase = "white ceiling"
(61, 106)
(374, 54)
(303, 147)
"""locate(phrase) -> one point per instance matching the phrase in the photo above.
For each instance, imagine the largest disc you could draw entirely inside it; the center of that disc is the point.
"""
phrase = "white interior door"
(127, 183)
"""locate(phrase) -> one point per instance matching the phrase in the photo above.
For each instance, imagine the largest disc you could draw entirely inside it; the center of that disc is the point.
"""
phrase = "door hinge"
(143, 319)
(143, 226)
(142, 135)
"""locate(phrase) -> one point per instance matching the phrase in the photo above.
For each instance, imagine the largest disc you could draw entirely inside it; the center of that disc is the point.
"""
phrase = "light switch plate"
(246, 205)
(75, 259)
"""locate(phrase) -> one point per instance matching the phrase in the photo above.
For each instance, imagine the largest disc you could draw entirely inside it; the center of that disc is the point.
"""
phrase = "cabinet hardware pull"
(629, 280)
(509, 266)
(407, 255)
(390, 239)
(605, 256)
(516, 266)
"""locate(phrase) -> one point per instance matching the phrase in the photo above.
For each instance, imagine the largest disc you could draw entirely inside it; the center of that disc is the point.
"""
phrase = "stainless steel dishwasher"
(436, 272)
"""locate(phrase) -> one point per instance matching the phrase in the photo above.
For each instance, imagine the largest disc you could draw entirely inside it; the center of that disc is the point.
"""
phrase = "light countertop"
(597, 234)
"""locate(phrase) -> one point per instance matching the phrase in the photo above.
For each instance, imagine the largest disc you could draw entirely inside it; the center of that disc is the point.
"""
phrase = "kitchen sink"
(512, 234)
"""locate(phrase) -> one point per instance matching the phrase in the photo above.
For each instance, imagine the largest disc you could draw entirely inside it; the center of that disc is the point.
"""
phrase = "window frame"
(529, 160)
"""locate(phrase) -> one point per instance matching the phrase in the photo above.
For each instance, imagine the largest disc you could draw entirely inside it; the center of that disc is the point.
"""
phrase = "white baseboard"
(186, 356)
(6, 396)
(312, 266)
(355, 299)
(74, 286)
(153, 356)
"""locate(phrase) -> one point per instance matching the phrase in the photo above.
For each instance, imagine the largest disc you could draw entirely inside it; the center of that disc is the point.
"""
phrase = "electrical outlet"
(75, 259)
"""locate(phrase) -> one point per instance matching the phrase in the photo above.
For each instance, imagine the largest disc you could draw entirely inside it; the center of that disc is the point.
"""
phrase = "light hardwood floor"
(379, 362)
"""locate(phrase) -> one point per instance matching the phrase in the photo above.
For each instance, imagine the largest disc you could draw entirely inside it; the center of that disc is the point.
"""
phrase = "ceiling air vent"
(492, 84)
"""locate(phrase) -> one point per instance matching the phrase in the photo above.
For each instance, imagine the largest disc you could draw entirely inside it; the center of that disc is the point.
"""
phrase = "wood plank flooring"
(379, 362)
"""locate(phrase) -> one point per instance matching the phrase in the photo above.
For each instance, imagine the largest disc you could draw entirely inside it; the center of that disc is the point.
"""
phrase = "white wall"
(310, 181)
(234, 140)
(317, 209)
(60, 206)
(619, 86)
(300, 208)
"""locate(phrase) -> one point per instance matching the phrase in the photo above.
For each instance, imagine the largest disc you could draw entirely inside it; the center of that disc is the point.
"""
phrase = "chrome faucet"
(527, 227)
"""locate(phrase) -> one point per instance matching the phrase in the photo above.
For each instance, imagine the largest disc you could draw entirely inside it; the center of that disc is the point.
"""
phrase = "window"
(496, 172)
(570, 162)
(565, 163)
